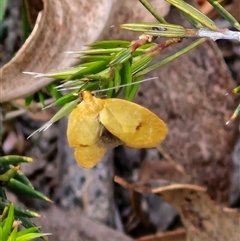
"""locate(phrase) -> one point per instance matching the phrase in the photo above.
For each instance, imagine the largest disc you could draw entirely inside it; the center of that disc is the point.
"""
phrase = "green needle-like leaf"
(63, 74)
(30, 227)
(3, 222)
(110, 92)
(64, 99)
(92, 58)
(17, 186)
(135, 88)
(14, 160)
(193, 21)
(110, 44)
(141, 63)
(156, 29)
(28, 100)
(193, 13)
(26, 222)
(151, 9)
(99, 51)
(25, 25)
(5, 177)
(31, 236)
(13, 234)
(18, 210)
(2, 194)
(117, 81)
(52, 89)
(9, 221)
(28, 230)
(236, 113)
(41, 97)
(22, 178)
(236, 90)
(2, 9)
(65, 110)
(142, 49)
(4, 213)
(104, 76)
(225, 13)
(1, 231)
(169, 58)
(93, 69)
(121, 57)
(126, 77)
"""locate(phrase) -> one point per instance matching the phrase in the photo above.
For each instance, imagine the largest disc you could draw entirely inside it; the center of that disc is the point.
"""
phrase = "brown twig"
(176, 235)
(173, 163)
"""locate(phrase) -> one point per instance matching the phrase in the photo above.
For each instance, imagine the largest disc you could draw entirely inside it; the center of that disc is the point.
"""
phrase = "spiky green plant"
(13, 217)
(113, 64)
(10, 227)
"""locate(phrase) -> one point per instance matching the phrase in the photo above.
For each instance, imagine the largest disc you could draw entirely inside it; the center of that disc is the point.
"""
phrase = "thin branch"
(224, 34)
(16, 113)
(152, 10)
(173, 163)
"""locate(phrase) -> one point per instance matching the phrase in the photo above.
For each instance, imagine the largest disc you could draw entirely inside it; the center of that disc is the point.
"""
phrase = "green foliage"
(125, 66)
(122, 64)
(157, 29)
(26, 26)
(10, 227)
(236, 113)
(2, 9)
(14, 217)
(224, 13)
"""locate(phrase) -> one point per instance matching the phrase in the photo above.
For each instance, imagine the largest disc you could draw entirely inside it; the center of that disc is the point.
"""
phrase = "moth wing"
(133, 124)
(89, 156)
(83, 128)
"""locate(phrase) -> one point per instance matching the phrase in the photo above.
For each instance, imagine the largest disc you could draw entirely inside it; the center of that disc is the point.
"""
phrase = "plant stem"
(151, 9)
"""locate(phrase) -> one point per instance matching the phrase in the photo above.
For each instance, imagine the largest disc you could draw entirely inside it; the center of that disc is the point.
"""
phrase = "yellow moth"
(98, 124)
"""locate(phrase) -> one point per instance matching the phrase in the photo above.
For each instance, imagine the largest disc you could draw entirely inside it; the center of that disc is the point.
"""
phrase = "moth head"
(85, 95)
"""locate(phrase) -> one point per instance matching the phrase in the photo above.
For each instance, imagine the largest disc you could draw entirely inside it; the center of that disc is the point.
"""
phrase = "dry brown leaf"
(201, 217)
(33, 7)
(10, 142)
(61, 26)
(65, 26)
(176, 235)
